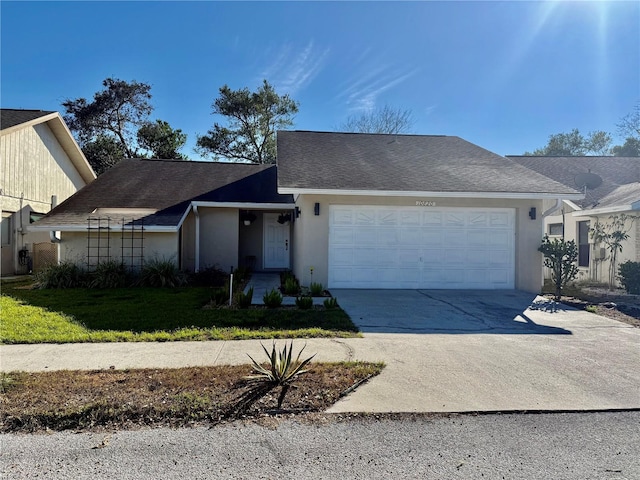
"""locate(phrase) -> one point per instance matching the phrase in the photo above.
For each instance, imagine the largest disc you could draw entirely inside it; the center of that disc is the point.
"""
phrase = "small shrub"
(161, 273)
(63, 275)
(304, 303)
(560, 256)
(282, 370)
(272, 299)
(243, 300)
(286, 275)
(591, 309)
(316, 289)
(330, 303)
(109, 274)
(629, 274)
(291, 286)
(240, 274)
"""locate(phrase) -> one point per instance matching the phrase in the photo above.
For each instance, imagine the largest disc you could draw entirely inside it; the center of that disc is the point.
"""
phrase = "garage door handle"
(286, 244)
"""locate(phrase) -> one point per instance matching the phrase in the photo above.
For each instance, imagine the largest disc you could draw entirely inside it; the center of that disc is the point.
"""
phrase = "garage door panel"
(414, 247)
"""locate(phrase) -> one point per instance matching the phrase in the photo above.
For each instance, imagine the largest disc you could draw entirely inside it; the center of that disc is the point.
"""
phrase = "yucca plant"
(304, 303)
(161, 273)
(282, 370)
(62, 275)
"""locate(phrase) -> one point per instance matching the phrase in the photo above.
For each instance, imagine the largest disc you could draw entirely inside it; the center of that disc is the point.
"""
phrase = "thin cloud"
(292, 70)
(362, 94)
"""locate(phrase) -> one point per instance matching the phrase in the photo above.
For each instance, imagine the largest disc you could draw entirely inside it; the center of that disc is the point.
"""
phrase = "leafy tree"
(630, 148)
(613, 233)
(252, 121)
(575, 144)
(384, 120)
(103, 152)
(161, 140)
(109, 127)
(560, 256)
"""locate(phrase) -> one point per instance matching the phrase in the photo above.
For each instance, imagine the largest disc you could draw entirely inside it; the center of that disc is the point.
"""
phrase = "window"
(583, 244)
(5, 230)
(555, 229)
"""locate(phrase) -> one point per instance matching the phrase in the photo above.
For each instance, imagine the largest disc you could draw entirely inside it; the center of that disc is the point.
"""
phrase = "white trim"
(78, 228)
(197, 234)
(402, 193)
(600, 211)
(572, 205)
(246, 205)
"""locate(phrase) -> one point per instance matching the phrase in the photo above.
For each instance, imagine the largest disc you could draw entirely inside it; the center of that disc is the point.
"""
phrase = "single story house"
(348, 210)
(611, 187)
(41, 165)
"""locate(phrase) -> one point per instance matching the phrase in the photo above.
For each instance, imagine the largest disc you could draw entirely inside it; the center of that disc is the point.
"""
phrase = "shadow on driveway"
(447, 311)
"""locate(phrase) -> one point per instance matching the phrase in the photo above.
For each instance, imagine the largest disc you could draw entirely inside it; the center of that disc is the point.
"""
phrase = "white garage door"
(421, 247)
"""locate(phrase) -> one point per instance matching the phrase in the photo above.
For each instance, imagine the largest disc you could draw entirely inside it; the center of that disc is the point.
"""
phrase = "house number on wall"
(422, 203)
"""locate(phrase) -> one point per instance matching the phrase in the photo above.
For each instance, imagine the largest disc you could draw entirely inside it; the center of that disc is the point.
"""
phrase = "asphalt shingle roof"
(167, 186)
(623, 195)
(614, 171)
(414, 163)
(10, 117)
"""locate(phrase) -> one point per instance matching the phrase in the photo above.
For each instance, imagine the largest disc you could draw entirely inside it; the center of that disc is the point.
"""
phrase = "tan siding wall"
(311, 233)
(36, 165)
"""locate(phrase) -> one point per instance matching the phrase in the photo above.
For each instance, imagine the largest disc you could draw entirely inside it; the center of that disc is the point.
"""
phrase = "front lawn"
(150, 314)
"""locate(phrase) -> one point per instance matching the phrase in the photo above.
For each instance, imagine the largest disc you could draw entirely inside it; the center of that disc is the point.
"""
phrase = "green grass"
(150, 314)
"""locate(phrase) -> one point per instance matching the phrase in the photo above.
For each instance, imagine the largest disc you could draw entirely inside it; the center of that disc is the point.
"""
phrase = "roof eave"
(607, 210)
(406, 193)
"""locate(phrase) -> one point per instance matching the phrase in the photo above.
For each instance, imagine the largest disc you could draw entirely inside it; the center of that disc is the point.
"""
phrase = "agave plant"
(282, 371)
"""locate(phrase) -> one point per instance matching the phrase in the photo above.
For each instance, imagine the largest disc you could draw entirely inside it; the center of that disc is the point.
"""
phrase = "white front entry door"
(276, 242)
(417, 247)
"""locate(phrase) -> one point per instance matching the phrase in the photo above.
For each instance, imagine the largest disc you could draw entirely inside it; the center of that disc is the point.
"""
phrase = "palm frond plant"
(281, 371)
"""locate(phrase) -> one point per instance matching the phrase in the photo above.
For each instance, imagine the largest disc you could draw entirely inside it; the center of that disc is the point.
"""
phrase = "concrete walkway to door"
(264, 282)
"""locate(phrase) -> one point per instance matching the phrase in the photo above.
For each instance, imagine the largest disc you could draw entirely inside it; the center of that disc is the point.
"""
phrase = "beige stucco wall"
(598, 270)
(311, 233)
(34, 167)
(219, 238)
(161, 246)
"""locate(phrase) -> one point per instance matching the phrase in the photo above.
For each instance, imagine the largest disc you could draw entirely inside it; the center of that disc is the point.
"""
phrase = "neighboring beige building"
(41, 165)
(346, 210)
(612, 188)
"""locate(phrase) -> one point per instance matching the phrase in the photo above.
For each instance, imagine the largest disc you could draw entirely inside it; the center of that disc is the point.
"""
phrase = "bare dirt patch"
(614, 304)
(127, 399)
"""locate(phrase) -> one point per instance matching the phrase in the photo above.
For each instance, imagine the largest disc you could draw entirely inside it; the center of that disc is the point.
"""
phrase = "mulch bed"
(126, 399)
(615, 305)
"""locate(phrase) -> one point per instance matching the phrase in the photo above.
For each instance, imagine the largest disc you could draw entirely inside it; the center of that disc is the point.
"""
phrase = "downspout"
(52, 235)
(197, 214)
(555, 207)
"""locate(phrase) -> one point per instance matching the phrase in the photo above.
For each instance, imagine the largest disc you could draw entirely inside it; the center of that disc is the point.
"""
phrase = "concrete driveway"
(490, 350)
(445, 311)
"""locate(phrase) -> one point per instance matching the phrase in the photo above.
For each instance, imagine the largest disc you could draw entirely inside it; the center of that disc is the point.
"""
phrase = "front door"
(276, 242)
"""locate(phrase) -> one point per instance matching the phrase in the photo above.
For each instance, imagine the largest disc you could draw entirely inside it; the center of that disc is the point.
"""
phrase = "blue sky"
(503, 75)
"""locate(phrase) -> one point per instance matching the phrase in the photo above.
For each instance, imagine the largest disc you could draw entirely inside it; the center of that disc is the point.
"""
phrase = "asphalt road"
(511, 446)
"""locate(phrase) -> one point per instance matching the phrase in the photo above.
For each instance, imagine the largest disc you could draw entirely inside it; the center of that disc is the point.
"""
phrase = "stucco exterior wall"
(598, 270)
(219, 230)
(311, 233)
(161, 246)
